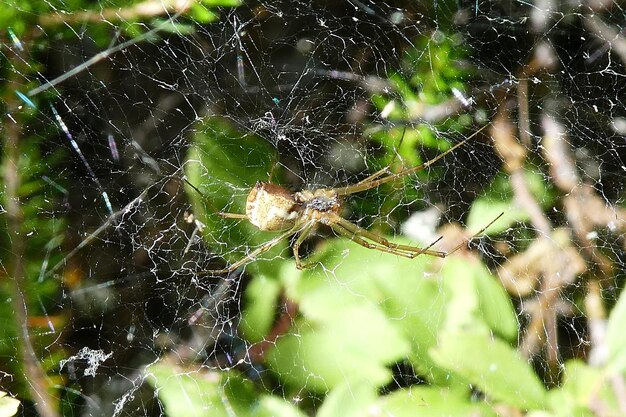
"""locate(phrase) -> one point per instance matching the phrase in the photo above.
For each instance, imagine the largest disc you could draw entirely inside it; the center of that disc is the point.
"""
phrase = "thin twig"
(36, 378)
(597, 323)
(585, 210)
(111, 220)
(145, 10)
(557, 271)
(524, 116)
(608, 34)
(599, 352)
(104, 54)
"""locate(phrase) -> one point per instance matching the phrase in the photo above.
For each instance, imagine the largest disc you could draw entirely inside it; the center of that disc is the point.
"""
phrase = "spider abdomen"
(271, 207)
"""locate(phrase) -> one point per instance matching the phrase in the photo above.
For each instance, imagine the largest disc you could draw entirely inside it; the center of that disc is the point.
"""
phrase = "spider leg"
(220, 213)
(480, 232)
(374, 175)
(369, 245)
(296, 246)
(413, 250)
(356, 230)
(258, 251)
(232, 215)
(385, 169)
(363, 185)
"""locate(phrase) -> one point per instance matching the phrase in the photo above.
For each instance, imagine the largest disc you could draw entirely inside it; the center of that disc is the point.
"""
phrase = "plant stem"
(33, 373)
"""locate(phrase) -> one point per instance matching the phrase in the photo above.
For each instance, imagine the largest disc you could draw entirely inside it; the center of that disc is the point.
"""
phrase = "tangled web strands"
(143, 121)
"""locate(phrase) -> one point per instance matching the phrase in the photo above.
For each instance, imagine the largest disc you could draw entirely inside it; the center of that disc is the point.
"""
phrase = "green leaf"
(224, 165)
(272, 406)
(261, 298)
(484, 210)
(413, 298)
(493, 366)
(200, 393)
(479, 302)
(401, 288)
(426, 401)
(462, 307)
(222, 3)
(8, 405)
(499, 199)
(495, 304)
(173, 27)
(582, 386)
(202, 14)
(345, 333)
(356, 345)
(616, 336)
(348, 400)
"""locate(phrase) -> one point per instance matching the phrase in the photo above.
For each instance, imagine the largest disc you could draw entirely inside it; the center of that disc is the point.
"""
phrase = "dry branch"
(147, 9)
(38, 383)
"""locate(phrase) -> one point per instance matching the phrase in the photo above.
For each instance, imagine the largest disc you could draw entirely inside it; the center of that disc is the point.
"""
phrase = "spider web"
(185, 110)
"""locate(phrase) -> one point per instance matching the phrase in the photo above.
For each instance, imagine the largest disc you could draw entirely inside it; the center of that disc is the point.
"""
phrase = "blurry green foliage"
(616, 337)
(21, 17)
(493, 366)
(582, 386)
(452, 321)
(430, 75)
(39, 197)
(355, 321)
(43, 230)
(260, 301)
(213, 394)
(498, 198)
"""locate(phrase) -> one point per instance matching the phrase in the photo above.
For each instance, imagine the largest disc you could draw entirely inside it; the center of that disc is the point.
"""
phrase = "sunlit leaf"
(203, 14)
(493, 366)
(413, 299)
(484, 211)
(499, 198)
(221, 3)
(200, 393)
(431, 402)
(356, 345)
(348, 400)
(462, 307)
(8, 405)
(261, 298)
(273, 406)
(581, 388)
(616, 336)
(479, 300)
(397, 285)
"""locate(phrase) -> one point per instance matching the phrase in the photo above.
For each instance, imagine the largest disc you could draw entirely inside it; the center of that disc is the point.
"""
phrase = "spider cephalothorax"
(319, 205)
(271, 207)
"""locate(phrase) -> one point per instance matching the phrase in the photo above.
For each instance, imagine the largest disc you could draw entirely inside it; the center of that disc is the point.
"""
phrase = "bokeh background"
(128, 126)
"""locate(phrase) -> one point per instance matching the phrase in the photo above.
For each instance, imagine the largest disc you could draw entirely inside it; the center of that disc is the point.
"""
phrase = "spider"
(274, 208)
